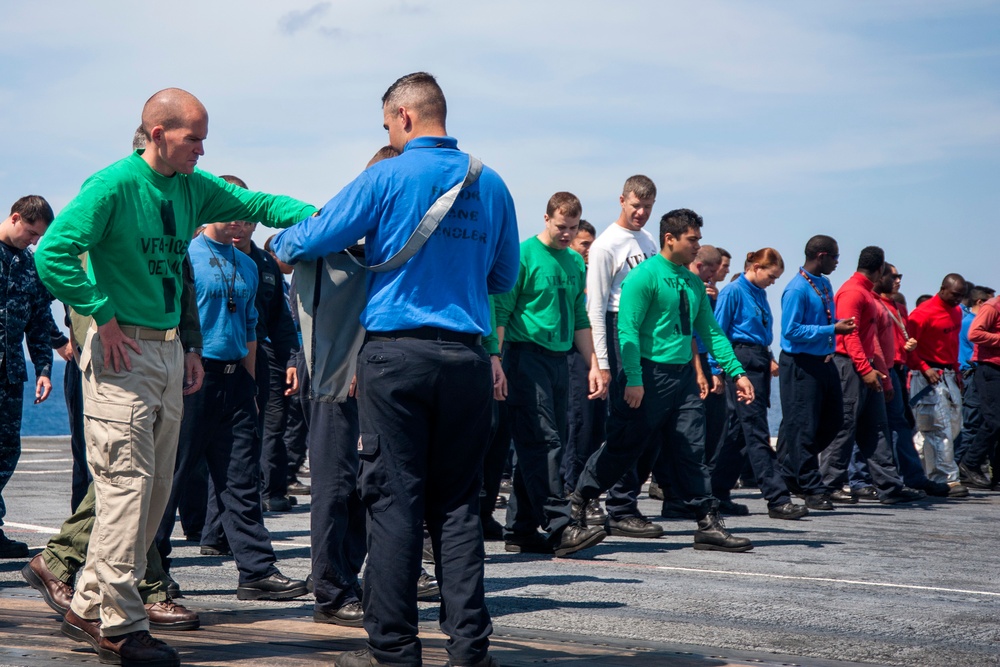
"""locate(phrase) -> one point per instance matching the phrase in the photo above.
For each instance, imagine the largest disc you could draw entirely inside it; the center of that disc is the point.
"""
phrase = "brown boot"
(80, 629)
(137, 649)
(168, 615)
(56, 592)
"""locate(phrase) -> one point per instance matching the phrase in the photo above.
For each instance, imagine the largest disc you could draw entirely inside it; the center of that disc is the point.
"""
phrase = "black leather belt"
(217, 366)
(427, 333)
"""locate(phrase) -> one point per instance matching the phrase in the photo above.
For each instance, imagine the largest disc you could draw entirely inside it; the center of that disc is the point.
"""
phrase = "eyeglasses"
(897, 276)
(830, 255)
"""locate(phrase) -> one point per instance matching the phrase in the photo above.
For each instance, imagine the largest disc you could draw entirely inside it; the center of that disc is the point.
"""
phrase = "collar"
(862, 279)
(431, 142)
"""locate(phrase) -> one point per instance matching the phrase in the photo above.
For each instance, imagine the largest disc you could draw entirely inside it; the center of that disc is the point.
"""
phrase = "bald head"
(175, 125)
(953, 289)
(170, 108)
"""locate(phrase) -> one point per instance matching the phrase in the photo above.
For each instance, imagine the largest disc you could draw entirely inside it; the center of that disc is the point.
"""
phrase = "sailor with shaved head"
(135, 220)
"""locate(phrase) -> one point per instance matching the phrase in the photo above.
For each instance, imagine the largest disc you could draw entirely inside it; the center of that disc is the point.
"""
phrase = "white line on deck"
(852, 582)
(39, 472)
(31, 526)
(26, 460)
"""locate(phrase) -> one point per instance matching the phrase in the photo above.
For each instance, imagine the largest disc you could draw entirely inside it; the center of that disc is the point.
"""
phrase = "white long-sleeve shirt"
(614, 253)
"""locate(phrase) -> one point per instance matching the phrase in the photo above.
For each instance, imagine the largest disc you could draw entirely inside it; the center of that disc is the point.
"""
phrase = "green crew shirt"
(651, 325)
(547, 305)
(136, 225)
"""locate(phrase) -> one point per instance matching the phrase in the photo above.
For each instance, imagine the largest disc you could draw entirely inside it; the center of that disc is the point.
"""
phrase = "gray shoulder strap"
(435, 214)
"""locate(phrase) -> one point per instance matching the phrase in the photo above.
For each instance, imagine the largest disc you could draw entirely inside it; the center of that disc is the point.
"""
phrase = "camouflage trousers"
(11, 403)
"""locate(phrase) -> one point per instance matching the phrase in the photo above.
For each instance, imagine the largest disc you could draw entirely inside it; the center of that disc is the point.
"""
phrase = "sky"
(873, 122)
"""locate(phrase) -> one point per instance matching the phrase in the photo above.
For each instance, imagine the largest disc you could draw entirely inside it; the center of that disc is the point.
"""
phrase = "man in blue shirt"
(811, 399)
(424, 379)
(972, 418)
(220, 421)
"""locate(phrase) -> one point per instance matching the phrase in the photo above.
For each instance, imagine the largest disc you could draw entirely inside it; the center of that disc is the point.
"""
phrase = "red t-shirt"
(856, 299)
(936, 326)
(984, 332)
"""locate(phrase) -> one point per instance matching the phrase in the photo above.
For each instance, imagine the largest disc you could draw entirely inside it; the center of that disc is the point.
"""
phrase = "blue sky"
(875, 122)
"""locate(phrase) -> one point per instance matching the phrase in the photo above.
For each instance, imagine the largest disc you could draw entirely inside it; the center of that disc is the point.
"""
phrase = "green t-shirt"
(547, 305)
(136, 225)
(651, 324)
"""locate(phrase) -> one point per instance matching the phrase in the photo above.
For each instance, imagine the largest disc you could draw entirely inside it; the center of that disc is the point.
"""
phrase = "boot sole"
(176, 625)
(700, 546)
(644, 535)
(36, 582)
(253, 594)
(79, 635)
(106, 657)
(596, 538)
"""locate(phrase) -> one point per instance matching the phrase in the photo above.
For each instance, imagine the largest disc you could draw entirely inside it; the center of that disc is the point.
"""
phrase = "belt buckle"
(230, 369)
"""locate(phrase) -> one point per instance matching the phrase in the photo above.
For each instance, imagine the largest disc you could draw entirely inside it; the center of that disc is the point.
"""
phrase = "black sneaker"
(427, 586)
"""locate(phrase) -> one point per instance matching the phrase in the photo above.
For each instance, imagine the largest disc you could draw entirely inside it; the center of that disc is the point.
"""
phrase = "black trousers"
(538, 389)
(623, 495)
(585, 420)
(296, 422)
(495, 460)
(812, 414)
(866, 423)
(424, 409)
(220, 424)
(749, 436)
(337, 517)
(671, 418)
(273, 404)
(984, 444)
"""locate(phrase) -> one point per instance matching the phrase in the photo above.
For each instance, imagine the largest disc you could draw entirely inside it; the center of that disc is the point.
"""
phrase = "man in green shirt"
(136, 219)
(537, 323)
(662, 302)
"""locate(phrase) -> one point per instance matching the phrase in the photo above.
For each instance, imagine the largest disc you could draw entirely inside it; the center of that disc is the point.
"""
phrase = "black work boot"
(713, 536)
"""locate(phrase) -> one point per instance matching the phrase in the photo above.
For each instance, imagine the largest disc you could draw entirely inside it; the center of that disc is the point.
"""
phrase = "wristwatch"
(737, 377)
(193, 350)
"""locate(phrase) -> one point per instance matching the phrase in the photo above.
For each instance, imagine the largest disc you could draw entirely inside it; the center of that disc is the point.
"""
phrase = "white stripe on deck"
(39, 472)
(851, 582)
(31, 526)
(27, 460)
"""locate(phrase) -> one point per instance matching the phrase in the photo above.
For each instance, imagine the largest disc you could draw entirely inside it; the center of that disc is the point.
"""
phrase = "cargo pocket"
(109, 437)
(373, 473)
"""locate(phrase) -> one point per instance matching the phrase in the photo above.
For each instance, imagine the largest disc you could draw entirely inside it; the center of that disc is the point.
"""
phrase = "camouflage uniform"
(24, 309)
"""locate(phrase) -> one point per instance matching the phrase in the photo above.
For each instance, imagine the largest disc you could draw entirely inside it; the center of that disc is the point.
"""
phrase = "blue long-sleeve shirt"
(743, 313)
(806, 328)
(474, 252)
(225, 332)
(965, 346)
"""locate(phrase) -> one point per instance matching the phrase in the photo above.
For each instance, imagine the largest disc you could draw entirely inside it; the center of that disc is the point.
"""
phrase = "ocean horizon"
(51, 417)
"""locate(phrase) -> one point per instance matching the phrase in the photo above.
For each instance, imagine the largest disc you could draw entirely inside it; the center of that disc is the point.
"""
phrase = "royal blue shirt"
(225, 333)
(743, 313)
(806, 328)
(473, 253)
(965, 346)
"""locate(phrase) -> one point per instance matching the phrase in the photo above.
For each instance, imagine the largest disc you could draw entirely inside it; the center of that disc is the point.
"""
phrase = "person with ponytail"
(745, 317)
